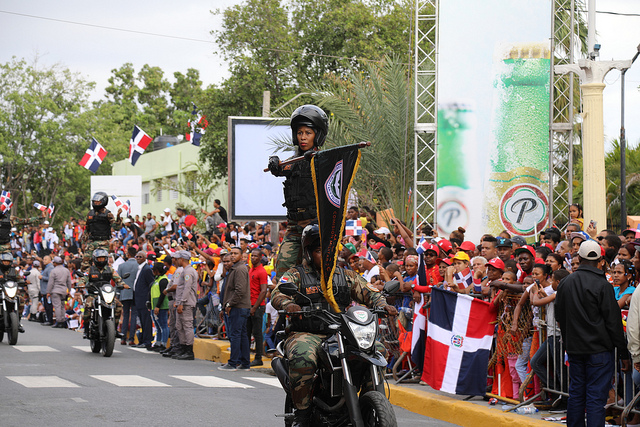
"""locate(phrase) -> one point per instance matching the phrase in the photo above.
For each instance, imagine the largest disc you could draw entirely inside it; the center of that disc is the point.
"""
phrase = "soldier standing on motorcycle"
(100, 222)
(309, 126)
(304, 342)
(100, 272)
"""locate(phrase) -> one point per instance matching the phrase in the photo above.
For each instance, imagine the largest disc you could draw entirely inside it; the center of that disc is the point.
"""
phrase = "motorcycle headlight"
(108, 293)
(11, 288)
(364, 335)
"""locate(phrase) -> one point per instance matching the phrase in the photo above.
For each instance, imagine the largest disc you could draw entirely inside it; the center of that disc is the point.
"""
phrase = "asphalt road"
(50, 377)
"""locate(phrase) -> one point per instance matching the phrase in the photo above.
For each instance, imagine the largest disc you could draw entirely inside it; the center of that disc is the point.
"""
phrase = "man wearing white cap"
(167, 222)
(591, 327)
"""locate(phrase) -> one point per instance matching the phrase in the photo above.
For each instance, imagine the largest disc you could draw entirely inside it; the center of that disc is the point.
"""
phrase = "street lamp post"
(623, 149)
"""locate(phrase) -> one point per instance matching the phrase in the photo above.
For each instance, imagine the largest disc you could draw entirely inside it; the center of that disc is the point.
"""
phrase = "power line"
(617, 13)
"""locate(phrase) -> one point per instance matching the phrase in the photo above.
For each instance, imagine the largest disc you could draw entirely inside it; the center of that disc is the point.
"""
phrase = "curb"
(431, 405)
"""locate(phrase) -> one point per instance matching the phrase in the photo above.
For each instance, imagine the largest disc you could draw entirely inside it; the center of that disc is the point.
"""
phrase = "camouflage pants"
(88, 252)
(290, 253)
(302, 350)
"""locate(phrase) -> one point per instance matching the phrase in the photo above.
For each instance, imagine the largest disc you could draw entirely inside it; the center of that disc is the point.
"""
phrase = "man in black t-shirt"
(217, 216)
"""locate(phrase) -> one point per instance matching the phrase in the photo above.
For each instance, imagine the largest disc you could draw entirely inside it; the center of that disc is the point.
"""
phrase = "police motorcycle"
(101, 329)
(348, 363)
(9, 281)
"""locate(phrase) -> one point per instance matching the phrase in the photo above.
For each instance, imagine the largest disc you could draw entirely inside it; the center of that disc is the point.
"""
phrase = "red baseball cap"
(496, 263)
(445, 245)
(467, 246)
(253, 246)
(377, 246)
(526, 248)
(446, 261)
(432, 247)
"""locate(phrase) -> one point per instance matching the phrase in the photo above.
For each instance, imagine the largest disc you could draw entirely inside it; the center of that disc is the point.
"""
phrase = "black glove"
(274, 165)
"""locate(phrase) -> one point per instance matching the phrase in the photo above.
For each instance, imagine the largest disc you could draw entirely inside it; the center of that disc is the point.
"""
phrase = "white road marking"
(143, 350)
(79, 400)
(272, 381)
(209, 381)
(34, 348)
(129, 381)
(87, 349)
(42, 381)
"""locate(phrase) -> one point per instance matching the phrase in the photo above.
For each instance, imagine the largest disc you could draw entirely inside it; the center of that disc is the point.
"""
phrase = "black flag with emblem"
(333, 172)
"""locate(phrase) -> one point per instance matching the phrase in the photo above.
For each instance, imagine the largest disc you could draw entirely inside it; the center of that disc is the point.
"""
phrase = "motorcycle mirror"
(126, 275)
(392, 286)
(288, 288)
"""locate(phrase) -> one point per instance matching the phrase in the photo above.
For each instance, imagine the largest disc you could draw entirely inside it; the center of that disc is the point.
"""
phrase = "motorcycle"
(101, 330)
(348, 363)
(9, 321)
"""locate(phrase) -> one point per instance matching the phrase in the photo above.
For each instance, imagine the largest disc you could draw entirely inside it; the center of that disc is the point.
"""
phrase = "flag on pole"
(353, 227)
(138, 143)
(332, 172)
(50, 210)
(419, 331)
(43, 208)
(4, 196)
(126, 207)
(423, 245)
(459, 336)
(197, 125)
(186, 233)
(93, 157)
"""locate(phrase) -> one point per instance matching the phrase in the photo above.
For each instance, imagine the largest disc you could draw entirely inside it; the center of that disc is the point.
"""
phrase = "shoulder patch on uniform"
(372, 288)
(186, 277)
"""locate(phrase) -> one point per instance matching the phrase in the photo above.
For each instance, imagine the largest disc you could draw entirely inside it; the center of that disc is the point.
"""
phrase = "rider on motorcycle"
(303, 344)
(99, 272)
(100, 223)
(7, 272)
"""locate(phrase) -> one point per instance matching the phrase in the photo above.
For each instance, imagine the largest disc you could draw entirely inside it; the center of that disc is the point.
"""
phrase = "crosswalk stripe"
(42, 381)
(209, 381)
(143, 350)
(34, 348)
(265, 380)
(129, 381)
(87, 349)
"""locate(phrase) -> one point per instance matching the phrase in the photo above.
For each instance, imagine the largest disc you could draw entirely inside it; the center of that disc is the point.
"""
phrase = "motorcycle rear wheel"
(110, 338)
(12, 332)
(377, 410)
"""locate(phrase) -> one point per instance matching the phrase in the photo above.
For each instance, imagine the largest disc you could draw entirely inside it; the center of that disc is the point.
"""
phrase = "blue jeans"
(590, 378)
(237, 333)
(162, 326)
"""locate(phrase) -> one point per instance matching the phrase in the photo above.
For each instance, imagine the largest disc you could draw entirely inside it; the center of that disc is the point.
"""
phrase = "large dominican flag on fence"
(138, 143)
(459, 336)
(94, 156)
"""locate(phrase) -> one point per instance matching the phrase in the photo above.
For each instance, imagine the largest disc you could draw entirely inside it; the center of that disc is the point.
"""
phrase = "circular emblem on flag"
(333, 185)
(457, 340)
(523, 210)
(361, 315)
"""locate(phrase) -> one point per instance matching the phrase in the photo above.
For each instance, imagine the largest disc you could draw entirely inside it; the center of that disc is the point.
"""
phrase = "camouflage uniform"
(302, 348)
(92, 245)
(290, 253)
(88, 301)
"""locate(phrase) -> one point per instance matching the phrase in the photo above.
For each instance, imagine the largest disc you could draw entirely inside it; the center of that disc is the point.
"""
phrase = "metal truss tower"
(426, 113)
(563, 48)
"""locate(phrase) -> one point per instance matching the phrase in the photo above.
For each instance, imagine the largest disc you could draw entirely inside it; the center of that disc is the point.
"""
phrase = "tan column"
(594, 188)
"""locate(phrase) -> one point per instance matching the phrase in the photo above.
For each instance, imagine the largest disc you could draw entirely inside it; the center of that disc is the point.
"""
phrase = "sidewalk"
(416, 398)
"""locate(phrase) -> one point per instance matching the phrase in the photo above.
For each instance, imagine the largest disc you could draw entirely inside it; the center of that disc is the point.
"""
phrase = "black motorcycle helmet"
(100, 257)
(6, 260)
(310, 241)
(315, 118)
(99, 200)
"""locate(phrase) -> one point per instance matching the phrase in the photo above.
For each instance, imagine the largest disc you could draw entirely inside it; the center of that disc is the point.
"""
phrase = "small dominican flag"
(353, 227)
(423, 245)
(197, 125)
(459, 336)
(43, 208)
(126, 207)
(5, 201)
(94, 156)
(370, 257)
(50, 210)
(186, 233)
(6, 195)
(138, 143)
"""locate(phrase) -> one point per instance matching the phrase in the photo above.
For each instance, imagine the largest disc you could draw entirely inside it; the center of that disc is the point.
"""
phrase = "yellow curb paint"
(455, 411)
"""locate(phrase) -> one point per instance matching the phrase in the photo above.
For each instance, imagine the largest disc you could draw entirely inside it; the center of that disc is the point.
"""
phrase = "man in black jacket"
(591, 327)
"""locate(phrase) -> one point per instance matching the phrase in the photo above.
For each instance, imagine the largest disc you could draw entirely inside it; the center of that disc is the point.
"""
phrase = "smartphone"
(593, 223)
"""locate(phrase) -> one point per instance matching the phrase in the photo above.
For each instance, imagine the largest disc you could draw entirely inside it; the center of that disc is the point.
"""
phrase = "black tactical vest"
(98, 225)
(95, 275)
(299, 194)
(5, 230)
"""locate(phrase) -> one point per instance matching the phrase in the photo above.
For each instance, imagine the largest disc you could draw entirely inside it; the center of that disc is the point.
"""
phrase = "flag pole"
(309, 154)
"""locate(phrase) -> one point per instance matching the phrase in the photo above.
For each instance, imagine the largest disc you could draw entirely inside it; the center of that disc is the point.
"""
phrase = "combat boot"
(171, 351)
(301, 418)
(187, 355)
(179, 352)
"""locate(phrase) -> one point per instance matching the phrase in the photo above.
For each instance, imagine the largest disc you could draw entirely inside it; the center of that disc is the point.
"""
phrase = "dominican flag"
(186, 233)
(423, 245)
(126, 207)
(353, 227)
(139, 142)
(370, 257)
(50, 210)
(5, 201)
(197, 125)
(94, 156)
(459, 336)
(465, 280)
(419, 331)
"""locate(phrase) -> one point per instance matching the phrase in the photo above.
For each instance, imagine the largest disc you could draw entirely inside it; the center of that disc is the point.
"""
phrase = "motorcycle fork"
(349, 389)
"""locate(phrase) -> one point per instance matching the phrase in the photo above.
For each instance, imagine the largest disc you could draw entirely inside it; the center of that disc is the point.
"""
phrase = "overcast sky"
(95, 51)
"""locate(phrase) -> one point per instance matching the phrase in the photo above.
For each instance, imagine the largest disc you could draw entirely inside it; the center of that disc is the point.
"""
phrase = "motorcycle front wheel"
(109, 339)
(12, 332)
(377, 410)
